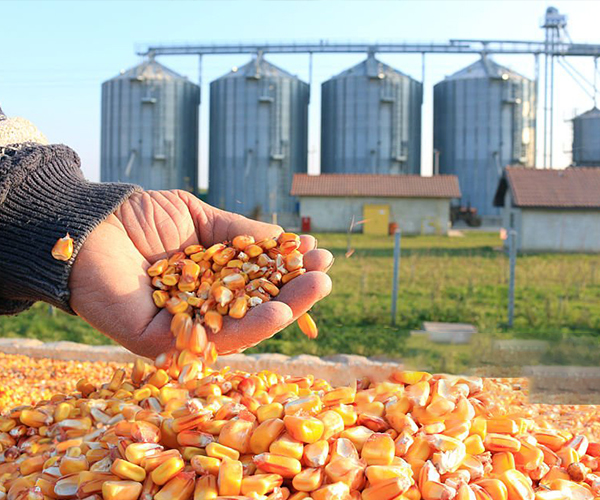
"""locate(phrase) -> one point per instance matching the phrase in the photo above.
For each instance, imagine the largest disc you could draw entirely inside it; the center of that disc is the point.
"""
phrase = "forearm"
(43, 196)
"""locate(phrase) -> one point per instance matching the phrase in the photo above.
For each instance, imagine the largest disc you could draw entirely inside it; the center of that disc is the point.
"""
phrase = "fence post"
(512, 256)
(396, 275)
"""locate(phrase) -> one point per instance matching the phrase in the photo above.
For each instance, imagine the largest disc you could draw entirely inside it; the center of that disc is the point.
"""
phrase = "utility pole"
(396, 275)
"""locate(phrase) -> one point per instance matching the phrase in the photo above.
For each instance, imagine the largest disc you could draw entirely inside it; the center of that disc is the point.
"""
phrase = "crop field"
(454, 279)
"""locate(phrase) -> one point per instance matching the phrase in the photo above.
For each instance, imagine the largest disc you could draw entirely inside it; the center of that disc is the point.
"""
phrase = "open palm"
(111, 290)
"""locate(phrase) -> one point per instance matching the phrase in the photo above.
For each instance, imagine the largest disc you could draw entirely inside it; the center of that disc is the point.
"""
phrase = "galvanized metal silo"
(258, 140)
(484, 119)
(586, 139)
(150, 128)
(371, 121)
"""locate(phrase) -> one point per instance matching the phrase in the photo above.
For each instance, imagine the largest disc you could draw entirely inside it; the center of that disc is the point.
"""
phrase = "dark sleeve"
(43, 196)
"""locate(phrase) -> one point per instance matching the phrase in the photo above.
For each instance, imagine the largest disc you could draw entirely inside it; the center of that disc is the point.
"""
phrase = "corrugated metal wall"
(258, 140)
(371, 121)
(150, 129)
(586, 139)
(484, 120)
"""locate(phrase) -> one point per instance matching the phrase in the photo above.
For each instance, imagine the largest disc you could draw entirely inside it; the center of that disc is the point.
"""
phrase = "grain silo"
(484, 119)
(258, 140)
(586, 139)
(371, 121)
(150, 128)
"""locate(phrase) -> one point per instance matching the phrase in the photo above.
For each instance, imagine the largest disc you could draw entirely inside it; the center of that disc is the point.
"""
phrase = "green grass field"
(458, 279)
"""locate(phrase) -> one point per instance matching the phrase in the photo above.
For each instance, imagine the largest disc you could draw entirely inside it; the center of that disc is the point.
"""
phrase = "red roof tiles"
(575, 187)
(371, 185)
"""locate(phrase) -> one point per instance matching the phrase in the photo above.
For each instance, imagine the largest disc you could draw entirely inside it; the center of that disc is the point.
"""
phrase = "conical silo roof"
(593, 113)
(485, 68)
(256, 68)
(149, 70)
(372, 68)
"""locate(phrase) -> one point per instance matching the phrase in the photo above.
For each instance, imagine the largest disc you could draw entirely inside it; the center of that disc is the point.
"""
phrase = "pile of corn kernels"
(180, 430)
(231, 434)
(25, 380)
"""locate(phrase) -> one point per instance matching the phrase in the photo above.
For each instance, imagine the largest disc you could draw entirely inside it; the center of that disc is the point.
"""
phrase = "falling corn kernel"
(63, 248)
(308, 326)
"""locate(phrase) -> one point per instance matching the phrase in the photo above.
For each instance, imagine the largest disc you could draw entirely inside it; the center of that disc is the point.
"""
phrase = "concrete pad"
(339, 369)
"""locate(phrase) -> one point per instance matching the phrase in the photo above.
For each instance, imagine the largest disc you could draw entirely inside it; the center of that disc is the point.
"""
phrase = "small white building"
(418, 205)
(552, 210)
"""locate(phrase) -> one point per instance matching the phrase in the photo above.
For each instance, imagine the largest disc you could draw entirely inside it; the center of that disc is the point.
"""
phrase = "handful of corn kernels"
(200, 286)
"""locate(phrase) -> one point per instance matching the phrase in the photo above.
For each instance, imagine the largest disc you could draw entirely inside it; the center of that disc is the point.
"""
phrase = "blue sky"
(55, 55)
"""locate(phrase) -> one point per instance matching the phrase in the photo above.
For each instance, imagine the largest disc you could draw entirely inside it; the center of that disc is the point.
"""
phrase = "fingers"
(301, 293)
(317, 260)
(307, 243)
(259, 324)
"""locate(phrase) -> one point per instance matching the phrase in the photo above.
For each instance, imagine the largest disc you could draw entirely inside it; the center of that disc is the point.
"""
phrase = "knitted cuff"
(43, 196)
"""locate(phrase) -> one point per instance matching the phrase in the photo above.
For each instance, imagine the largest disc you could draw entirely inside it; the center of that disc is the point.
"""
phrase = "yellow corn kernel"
(479, 427)
(502, 462)
(379, 473)
(315, 454)
(346, 470)
(35, 418)
(386, 490)
(239, 307)
(168, 393)
(214, 321)
(158, 379)
(568, 456)
(261, 484)
(286, 467)
(128, 470)
(31, 465)
(551, 439)
(219, 451)
(205, 465)
(502, 426)
(378, 449)
(474, 445)
(121, 490)
(179, 487)
(269, 411)
(494, 488)
(71, 465)
(160, 298)
(206, 488)
(237, 434)
(7, 424)
(229, 480)
(311, 405)
(62, 412)
(136, 452)
(308, 479)
(167, 470)
(158, 268)
(308, 326)
(410, 377)
(501, 442)
(517, 485)
(357, 435)
(63, 248)
(333, 424)
(304, 428)
(287, 446)
(267, 432)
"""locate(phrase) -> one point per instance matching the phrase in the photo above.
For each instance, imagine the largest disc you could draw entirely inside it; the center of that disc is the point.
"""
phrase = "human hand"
(111, 290)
